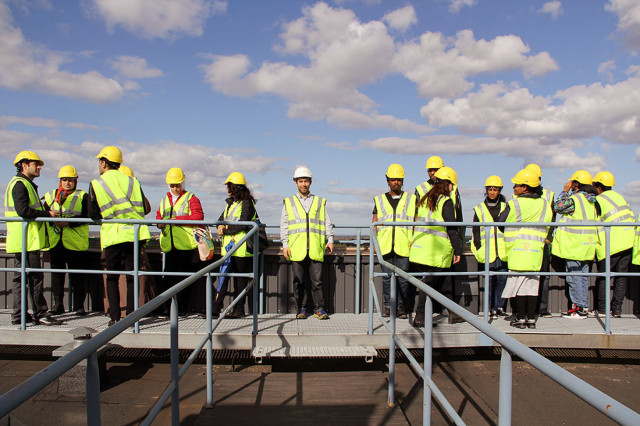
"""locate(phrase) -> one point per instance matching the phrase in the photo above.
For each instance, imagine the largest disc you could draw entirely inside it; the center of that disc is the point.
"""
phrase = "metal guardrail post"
(136, 268)
(483, 339)
(358, 264)
(372, 286)
(93, 390)
(607, 283)
(23, 281)
(428, 360)
(209, 312)
(392, 343)
(261, 289)
(506, 388)
(175, 373)
(256, 294)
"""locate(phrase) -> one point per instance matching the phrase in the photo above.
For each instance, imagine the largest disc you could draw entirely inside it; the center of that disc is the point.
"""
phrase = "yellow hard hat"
(493, 181)
(395, 171)
(111, 153)
(434, 162)
(237, 178)
(175, 175)
(447, 173)
(605, 178)
(67, 172)
(582, 176)
(126, 170)
(27, 155)
(535, 168)
(526, 177)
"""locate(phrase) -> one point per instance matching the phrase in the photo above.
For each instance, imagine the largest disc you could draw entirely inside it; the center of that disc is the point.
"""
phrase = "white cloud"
(158, 18)
(628, 12)
(607, 111)
(401, 19)
(6, 120)
(28, 67)
(553, 8)
(606, 69)
(133, 67)
(456, 5)
(441, 66)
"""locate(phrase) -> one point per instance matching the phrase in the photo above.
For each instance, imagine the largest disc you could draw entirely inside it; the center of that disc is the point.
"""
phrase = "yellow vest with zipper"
(396, 238)
(174, 236)
(525, 244)
(577, 242)
(614, 208)
(119, 197)
(495, 236)
(73, 238)
(36, 231)
(232, 213)
(431, 245)
(306, 231)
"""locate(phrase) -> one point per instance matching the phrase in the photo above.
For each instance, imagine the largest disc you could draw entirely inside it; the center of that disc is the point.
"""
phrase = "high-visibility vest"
(396, 238)
(36, 231)
(614, 208)
(431, 245)
(495, 235)
(548, 195)
(525, 244)
(306, 231)
(577, 242)
(635, 257)
(174, 236)
(425, 187)
(119, 197)
(232, 213)
(73, 238)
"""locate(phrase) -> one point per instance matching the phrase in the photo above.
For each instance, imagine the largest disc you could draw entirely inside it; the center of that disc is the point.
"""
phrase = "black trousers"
(63, 258)
(311, 290)
(239, 265)
(620, 262)
(34, 286)
(434, 282)
(119, 257)
(180, 261)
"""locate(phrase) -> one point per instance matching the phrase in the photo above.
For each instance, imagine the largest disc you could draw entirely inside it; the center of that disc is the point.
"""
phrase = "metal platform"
(341, 330)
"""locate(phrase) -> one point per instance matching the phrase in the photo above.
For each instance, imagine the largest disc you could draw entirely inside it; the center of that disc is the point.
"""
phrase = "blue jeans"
(497, 284)
(578, 285)
(401, 283)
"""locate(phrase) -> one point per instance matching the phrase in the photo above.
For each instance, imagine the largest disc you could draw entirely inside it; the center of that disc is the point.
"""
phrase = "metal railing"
(594, 397)
(19, 394)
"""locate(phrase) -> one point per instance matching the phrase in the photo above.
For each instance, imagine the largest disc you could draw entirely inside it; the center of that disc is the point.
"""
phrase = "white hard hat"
(302, 172)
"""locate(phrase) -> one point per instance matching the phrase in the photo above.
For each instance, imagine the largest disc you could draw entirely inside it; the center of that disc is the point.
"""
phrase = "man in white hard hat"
(306, 232)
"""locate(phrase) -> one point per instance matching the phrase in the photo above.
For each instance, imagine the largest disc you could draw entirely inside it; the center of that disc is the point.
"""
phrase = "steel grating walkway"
(345, 330)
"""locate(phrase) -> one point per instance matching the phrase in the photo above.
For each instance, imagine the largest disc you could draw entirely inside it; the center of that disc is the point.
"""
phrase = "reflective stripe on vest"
(119, 197)
(614, 208)
(36, 231)
(397, 238)
(495, 236)
(174, 236)
(431, 245)
(425, 187)
(232, 213)
(306, 231)
(635, 257)
(525, 244)
(577, 243)
(73, 238)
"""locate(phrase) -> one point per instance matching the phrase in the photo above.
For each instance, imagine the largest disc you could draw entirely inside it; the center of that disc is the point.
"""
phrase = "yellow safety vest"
(577, 242)
(495, 235)
(36, 231)
(425, 187)
(396, 238)
(525, 244)
(119, 197)
(73, 238)
(232, 213)
(614, 208)
(174, 236)
(548, 195)
(635, 257)
(306, 231)
(431, 245)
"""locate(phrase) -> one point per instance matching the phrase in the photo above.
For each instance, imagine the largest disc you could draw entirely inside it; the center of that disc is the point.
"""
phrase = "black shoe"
(511, 318)
(112, 322)
(236, 313)
(81, 313)
(519, 323)
(418, 321)
(616, 314)
(401, 314)
(531, 323)
(17, 321)
(58, 310)
(47, 320)
(386, 312)
(501, 312)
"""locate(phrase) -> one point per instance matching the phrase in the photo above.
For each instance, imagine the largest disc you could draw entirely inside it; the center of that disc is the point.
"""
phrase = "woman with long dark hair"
(435, 248)
(240, 208)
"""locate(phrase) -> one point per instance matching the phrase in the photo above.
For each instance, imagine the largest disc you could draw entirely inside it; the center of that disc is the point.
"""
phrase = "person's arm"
(449, 215)
(21, 203)
(564, 203)
(328, 231)
(284, 233)
(475, 232)
(147, 204)
(503, 216)
(93, 209)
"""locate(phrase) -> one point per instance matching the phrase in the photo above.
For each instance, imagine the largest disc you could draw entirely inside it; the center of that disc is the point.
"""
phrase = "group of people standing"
(306, 231)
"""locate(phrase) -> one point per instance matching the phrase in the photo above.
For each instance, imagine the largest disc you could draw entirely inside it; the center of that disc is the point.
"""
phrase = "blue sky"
(343, 87)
